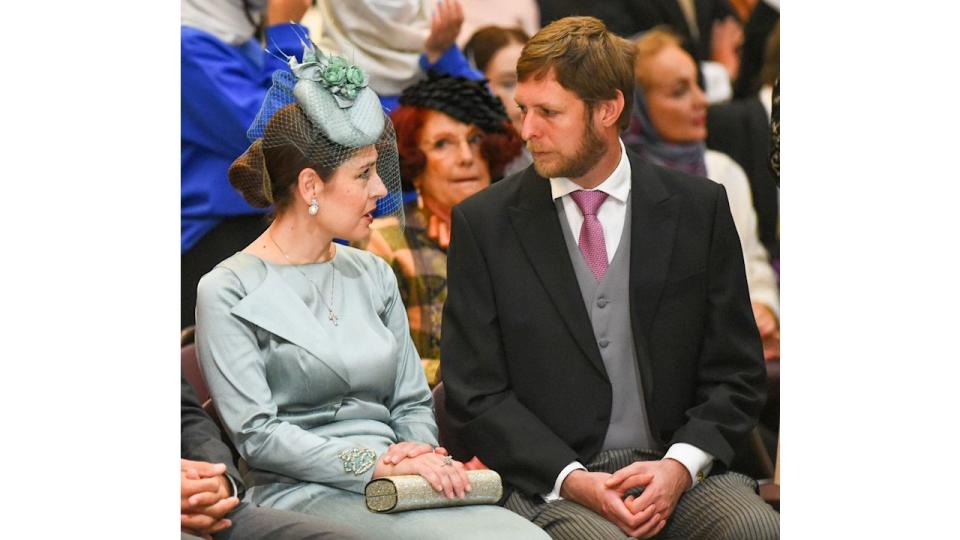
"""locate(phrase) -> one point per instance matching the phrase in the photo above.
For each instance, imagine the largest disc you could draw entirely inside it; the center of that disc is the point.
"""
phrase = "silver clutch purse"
(401, 493)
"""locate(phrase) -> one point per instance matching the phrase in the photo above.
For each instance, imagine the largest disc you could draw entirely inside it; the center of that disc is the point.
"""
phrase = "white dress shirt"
(612, 214)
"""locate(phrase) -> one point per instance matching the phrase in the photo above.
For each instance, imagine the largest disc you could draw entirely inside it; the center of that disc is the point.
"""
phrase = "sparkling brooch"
(357, 460)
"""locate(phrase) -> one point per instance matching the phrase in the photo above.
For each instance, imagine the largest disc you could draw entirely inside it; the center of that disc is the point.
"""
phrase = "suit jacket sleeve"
(731, 375)
(200, 437)
(482, 407)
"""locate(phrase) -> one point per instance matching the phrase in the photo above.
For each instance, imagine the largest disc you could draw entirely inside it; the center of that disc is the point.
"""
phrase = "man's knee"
(750, 523)
(725, 507)
(579, 528)
(576, 525)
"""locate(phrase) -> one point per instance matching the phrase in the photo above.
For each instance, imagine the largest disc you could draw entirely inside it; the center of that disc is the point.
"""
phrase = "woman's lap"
(348, 509)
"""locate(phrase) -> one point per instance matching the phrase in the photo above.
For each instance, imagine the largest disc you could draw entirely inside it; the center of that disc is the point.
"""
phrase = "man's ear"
(608, 110)
(309, 185)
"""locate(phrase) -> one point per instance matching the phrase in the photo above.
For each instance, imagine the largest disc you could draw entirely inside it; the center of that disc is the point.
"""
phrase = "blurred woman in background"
(494, 50)
(669, 128)
(454, 139)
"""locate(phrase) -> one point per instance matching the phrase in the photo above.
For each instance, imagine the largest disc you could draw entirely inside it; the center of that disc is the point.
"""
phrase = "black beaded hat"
(466, 100)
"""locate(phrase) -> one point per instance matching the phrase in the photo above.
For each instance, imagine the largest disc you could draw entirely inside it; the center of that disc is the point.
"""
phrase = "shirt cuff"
(697, 462)
(233, 486)
(555, 494)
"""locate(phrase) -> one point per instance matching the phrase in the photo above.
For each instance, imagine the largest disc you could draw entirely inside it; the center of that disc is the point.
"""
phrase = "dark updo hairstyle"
(465, 100)
(485, 42)
(294, 145)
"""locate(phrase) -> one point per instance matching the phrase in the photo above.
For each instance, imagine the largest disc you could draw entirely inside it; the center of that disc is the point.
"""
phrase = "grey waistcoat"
(608, 305)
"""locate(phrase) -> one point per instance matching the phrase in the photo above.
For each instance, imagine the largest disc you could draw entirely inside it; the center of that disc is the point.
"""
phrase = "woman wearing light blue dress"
(304, 342)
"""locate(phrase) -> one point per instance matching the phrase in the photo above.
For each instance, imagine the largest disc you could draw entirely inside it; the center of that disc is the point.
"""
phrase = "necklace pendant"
(333, 317)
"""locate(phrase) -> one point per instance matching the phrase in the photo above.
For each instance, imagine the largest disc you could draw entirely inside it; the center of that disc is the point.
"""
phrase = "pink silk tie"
(591, 242)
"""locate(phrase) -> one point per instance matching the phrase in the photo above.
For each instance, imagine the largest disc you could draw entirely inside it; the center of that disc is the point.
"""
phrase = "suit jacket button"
(601, 302)
(604, 343)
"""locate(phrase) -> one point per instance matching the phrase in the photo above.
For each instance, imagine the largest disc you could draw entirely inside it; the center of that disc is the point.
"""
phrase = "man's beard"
(592, 148)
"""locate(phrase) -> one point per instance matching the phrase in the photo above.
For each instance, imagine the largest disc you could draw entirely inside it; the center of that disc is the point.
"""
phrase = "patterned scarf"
(643, 138)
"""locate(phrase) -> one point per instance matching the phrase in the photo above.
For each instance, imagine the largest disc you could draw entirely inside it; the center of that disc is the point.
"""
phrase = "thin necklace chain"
(333, 278)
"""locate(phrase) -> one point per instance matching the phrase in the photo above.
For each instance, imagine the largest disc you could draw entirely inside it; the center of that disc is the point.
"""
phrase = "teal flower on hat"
(339, 77)
(356, 77)
(335, 97)
(349, 91)
(335, 73)
(343, 80)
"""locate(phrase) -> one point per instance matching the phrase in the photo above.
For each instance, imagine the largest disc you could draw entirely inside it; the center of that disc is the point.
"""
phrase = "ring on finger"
(447, 461)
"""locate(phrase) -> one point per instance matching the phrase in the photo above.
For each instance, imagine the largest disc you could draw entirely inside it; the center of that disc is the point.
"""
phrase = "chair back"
(188, 335)
(190, 369)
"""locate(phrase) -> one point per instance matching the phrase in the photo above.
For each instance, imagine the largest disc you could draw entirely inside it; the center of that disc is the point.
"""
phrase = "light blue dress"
(301, 397)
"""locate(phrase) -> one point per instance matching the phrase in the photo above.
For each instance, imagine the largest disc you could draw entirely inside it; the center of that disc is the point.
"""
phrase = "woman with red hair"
(454, 138)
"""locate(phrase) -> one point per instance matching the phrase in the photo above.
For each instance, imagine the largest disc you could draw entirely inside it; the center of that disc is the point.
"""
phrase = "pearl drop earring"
(314, 207)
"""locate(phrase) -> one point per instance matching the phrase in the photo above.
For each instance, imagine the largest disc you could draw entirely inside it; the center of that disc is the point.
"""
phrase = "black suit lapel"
(537, 225)
(653, 230)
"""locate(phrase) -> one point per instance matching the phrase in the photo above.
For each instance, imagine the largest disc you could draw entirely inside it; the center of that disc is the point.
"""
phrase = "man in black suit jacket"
(539, 383)
(211, 488)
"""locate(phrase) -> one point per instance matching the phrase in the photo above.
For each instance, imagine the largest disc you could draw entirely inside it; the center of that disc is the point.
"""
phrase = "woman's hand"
(408, 449)
(444, 28)
(769, 328)
(438, 230)
(438, 226)
(727, 39)
(767, 322)
(442, 472)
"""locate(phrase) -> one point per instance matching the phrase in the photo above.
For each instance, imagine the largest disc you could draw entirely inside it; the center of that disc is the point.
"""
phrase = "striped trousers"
(722, 507)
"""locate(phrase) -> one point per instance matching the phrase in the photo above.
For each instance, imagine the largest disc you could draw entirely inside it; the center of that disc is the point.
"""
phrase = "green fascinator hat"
(324, 109)
(334, 94)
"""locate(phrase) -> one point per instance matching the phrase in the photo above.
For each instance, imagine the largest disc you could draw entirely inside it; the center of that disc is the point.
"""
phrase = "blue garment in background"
(452, 62)
(221, 89)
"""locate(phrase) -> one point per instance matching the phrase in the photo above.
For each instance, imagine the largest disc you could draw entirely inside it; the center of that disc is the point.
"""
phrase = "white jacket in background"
(761, 278)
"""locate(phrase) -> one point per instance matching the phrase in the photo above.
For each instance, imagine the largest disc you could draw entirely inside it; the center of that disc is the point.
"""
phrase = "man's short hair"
(586, 59)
